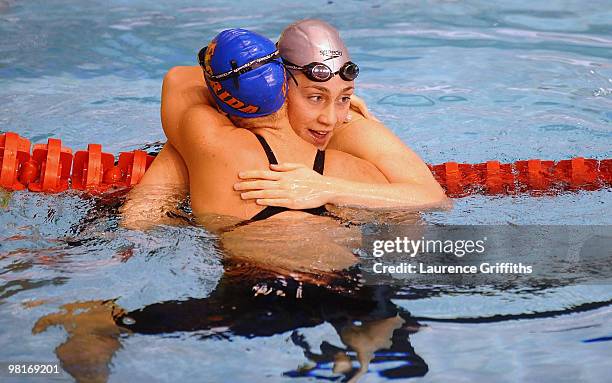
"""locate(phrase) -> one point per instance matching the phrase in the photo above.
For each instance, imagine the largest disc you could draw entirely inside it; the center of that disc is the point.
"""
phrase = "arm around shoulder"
(182, 88)
(163, 187)
(199, 127)
(410, 180)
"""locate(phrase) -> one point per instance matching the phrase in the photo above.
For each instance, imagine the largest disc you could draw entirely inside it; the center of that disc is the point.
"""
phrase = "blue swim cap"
(244, 73)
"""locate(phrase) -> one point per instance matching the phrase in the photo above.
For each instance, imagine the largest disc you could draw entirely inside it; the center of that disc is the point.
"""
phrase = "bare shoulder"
(343, 165)
(204, 124)
(182, 88)
(372, 141)
(360, 134)
(198, 112)
(184, 85)
(179, 75)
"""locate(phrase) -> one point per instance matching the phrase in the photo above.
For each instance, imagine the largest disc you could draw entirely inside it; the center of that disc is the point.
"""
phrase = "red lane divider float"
(54, 171)
(52, 168)
(14, 152)
(89, 167)
(536, 177)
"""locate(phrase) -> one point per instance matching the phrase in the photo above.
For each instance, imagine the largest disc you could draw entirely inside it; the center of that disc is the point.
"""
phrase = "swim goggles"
(320, 72)
(236, 70)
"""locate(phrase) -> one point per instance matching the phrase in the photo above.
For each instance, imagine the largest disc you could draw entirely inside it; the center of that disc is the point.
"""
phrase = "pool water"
(463, 81)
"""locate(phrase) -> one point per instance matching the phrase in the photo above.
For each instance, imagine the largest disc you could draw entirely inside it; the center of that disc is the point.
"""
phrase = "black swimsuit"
(269, 211)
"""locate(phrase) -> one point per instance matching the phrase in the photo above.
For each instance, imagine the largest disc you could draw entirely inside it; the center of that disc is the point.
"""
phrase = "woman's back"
(215, 151)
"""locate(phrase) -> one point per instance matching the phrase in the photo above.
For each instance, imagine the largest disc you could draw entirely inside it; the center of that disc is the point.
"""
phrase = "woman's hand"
(358, 105)
(289, 185)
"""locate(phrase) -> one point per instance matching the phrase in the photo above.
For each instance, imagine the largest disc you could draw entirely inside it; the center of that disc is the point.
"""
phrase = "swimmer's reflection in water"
(373, 329)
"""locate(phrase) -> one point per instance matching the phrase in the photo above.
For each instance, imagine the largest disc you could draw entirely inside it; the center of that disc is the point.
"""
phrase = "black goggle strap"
(202, 55)
(238, 70)
(304, 69)
(289, 65)
(291, 75)
(308, 68)
(234, 65)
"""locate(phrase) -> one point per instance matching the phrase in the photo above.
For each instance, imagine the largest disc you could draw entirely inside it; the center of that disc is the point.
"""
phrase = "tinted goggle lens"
(349, 71)
(320, 72)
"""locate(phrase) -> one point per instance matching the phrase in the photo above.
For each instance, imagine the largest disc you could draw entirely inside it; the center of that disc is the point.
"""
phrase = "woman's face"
(316, 108)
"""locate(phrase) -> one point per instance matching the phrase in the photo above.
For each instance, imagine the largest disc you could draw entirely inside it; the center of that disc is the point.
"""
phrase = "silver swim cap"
(312, 40)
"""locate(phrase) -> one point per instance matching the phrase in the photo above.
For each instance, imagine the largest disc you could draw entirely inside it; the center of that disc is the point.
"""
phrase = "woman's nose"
(329, 116)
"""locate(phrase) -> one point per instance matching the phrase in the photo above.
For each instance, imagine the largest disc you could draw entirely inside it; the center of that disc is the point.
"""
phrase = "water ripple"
(406, 100)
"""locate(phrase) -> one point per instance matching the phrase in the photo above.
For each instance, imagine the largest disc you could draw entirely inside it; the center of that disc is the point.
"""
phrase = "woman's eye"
(315, 98)
(345, 99)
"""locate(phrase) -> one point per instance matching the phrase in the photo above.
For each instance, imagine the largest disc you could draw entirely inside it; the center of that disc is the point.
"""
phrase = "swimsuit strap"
(269, 211)
(269, 153)
(319, 163)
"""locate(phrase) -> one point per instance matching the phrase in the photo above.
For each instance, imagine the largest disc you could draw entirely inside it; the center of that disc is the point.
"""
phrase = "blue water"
(464, 81)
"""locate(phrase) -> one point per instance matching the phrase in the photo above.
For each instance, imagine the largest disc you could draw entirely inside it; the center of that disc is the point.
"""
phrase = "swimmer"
(216, 147)
(256, 132)
(323, 113)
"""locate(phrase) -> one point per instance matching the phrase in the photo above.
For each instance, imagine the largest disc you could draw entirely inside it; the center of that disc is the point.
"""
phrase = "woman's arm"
(411, 184)
(163, 187)
(297, 187)
(166, 182)
(183, 87)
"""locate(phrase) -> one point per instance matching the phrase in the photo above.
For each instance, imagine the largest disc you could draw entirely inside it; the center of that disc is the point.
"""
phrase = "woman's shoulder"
(203, 121)
(205, 113)
(347, 166)
(178, 75)
(206, 124)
